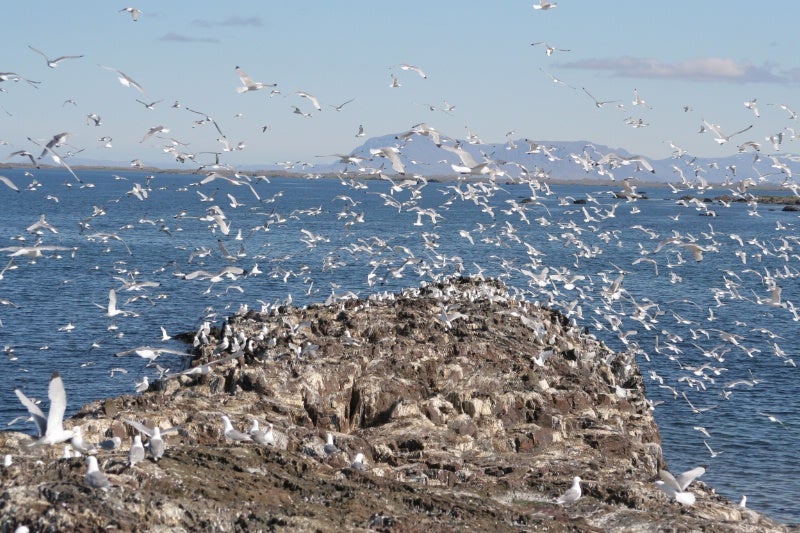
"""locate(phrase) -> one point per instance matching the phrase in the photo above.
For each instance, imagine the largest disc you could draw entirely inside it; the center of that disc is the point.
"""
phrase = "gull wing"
(685, 479)
(141, 427)
(670, 483)
(38, 416)
(58, 404)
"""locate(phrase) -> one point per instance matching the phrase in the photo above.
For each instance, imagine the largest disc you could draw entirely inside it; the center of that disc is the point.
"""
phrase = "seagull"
(544, 5)
(94, 476)
(572, 494)
(80, 445)
(233, 434)
(360, 133)
(265, 437)
(10, 184)
(248, 84)
(330, 448)
(298, 111)
(712, 452)
(150, 105)
(340, 106)
(721, 138)
(124, 79)
(156, 444)
(136, 453)
(153, 131)
(111, 308)
(53, 427)
(392, 154)
(150, 353)
(792, 114)
(406, 66)
(359, 463)
(36, 414)
(554, 79)
(637, 100)
(24, 153)
(59, 139)
(143, 385)
(53, 63)
(598, 103)
(311, 97)
(549, 49)
(133, 11)
(751, 105)
(676, 487)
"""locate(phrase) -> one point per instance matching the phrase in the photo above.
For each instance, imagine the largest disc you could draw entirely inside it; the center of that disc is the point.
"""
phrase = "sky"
(690, 61)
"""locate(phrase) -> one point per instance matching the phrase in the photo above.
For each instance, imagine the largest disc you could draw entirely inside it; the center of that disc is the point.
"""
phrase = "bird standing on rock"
(136, 453)
(572, 494)
(95, 477)
(233, 434)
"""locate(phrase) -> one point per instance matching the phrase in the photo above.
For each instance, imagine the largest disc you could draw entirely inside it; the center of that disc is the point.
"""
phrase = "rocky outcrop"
(473, 409)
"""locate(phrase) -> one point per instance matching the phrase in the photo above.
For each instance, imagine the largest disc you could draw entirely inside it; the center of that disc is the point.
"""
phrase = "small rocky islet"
(473, 409)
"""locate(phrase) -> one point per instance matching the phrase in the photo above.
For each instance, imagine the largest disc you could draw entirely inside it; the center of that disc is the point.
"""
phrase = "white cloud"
(698, 69)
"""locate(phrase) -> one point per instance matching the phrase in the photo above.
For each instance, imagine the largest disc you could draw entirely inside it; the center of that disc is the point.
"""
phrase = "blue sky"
(710, 56)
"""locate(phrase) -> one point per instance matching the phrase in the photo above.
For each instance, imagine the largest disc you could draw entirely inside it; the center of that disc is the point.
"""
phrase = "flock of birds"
(606, 305)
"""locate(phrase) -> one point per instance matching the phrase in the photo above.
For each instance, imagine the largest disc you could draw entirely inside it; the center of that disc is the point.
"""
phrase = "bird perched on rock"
(572, 494)
(264, 437)
(234, 434)
(95, 477)
(79, 444)
(136, 453)
(359, 463)
(156, 444)
(330, 448)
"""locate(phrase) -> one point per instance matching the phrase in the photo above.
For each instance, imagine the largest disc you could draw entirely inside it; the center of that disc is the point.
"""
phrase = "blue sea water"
(703, 325)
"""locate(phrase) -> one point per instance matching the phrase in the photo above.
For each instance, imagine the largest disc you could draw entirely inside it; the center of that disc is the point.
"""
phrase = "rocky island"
(471, 408)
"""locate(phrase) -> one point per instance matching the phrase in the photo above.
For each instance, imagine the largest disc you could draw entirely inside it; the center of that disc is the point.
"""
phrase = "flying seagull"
(51, 429)
(406, 66)
(124, 79)
(312, 98)
(544, 5)
(549, 49)
(248, 84)
(53, 63)
(9, 183)
(721, 138)
(150, 105)
(340, 106)
(133, 11)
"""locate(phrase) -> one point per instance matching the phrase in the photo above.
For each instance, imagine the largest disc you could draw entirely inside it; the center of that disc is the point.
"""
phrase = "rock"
(462, 423)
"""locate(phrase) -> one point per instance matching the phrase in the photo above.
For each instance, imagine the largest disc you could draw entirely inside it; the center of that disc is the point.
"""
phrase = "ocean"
(714, 332)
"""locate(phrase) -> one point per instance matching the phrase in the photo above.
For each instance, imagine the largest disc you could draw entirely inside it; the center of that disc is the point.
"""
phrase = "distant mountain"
(425, 152)
(575, 160)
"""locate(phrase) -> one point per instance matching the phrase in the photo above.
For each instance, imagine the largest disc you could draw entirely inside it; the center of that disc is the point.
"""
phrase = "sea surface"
(716, 338)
